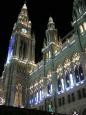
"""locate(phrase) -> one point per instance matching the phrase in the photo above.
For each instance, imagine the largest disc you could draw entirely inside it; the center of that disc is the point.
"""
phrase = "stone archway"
(84, 112)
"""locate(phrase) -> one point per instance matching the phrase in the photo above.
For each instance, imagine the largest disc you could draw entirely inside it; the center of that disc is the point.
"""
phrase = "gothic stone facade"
(58, 82)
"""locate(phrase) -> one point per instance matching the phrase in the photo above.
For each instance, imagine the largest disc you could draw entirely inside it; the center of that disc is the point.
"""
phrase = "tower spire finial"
(24, 6)
(50, 19)
(51, 24)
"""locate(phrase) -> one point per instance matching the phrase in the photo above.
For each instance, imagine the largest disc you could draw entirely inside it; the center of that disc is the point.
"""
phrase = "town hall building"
(58, 82)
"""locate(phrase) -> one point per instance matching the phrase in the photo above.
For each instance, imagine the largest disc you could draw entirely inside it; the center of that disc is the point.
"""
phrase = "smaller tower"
(51, 44)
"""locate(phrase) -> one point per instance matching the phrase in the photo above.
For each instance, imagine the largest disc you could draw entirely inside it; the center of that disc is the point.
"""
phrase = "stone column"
(54, 86)
(10, 87)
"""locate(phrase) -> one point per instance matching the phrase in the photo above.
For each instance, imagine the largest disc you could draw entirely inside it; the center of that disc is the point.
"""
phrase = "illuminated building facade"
(58, 82)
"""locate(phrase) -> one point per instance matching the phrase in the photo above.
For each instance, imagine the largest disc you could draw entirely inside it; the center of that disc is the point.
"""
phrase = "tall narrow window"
(59, 101)
(69, 99)
(81, 72)
(40, 95)
(71, 80)
(67, 80)
(63, 100)
(73, 97)
(62, 82)
(76, 74)
(24, 50)
(37, 97)
(49, 54)
(59, 85)
(49, 88)
(79, 94)
(84, 92)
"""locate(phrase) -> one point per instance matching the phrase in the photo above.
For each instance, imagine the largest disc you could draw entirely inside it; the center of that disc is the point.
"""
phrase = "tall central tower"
(20, 61)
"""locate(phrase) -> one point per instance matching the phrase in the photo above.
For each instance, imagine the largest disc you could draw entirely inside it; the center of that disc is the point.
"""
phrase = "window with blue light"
(62, 82)
(71, 80)
(37, 97)
(40, 93)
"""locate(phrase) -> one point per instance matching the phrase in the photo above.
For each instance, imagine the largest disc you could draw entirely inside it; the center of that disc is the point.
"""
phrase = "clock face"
(24, 30)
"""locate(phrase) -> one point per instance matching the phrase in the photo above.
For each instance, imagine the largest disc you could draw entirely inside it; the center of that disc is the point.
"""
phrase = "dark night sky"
(39, 12)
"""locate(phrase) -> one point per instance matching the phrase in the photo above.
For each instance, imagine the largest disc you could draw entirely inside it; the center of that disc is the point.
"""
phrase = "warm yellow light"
(81, 29)
(59, 69)
(67, 63)
(49, 54)
(76, 57)
(84, 24)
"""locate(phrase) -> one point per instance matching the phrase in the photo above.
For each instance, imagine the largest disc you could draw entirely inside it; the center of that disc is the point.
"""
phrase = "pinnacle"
(50, 19)
(24, 6)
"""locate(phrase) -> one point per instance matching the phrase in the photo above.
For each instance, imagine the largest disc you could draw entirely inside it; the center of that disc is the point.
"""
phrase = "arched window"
(49, 83)
(24, 50)
(77, 74)
(59, 85)
(76, 62)
(81, 74)
(20, 49)
(67, 80)
(68, 74)
(49, 88)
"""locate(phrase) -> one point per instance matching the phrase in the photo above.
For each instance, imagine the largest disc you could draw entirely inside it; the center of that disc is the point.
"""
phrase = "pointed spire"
(51, 24)
(24, 6)
(50, 20)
